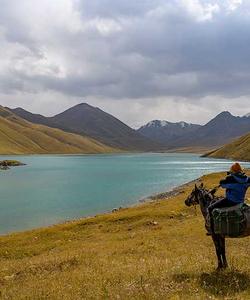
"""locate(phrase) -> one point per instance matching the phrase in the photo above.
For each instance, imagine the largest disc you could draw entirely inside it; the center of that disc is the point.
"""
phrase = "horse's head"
(194, 197)
(200, 194)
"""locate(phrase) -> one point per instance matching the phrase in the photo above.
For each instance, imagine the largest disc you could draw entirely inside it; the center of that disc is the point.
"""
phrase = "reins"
(195, 209)
(196, 202)
(203, 194)
(199, 193)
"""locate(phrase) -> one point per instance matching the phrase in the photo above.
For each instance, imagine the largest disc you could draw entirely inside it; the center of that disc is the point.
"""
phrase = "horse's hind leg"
(217, 245)
(223, 252)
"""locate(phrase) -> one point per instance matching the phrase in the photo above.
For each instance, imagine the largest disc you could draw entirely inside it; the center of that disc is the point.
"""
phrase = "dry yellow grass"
(18, 136)
(238, 149)
(156, 250)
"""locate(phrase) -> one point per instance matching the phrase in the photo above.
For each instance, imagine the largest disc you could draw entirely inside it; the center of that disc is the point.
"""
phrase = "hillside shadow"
(223, 283)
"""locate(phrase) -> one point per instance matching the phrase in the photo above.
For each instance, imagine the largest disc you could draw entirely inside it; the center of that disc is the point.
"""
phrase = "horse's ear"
(202, 185)
(195, 187)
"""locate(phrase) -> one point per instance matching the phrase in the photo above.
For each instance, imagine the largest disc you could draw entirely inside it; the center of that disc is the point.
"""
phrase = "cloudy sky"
(139, 60)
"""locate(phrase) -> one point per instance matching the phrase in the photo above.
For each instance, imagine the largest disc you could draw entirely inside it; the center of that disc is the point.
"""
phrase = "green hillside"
(157, 250)
(18, 136)
(238, 149)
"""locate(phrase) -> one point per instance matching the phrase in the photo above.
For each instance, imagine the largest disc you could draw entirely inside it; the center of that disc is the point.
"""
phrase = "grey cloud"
(116, 9)
(114, 49)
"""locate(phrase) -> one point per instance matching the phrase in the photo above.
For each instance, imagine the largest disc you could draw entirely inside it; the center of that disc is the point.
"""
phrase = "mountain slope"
(167, 132)
(33, 118)
(91, 121)
(221, 130)
(238, 149)
(18, 136)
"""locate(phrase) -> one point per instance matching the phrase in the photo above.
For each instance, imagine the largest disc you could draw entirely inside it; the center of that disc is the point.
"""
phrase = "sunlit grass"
(238, 149)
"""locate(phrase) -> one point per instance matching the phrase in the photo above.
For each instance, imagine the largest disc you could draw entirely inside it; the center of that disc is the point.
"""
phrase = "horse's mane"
(211, 198)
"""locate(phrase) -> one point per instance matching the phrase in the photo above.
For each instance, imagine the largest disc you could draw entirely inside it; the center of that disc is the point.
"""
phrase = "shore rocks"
(116, 209)
(169, 194)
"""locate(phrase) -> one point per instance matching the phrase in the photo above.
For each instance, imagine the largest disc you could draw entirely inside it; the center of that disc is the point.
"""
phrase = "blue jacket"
(236, 186)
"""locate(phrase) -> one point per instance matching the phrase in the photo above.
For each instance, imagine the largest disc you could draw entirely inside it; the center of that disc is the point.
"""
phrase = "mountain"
(167, 132)
(157, 135)
(219, 131)
(18, 136)
(238, 149)
(247, 115)
(91, 121)
(33, 118)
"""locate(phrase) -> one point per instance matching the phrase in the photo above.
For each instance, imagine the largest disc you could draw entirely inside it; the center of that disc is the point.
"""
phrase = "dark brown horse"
(204, 198)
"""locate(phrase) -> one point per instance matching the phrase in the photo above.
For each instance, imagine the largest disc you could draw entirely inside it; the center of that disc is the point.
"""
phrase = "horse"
(204, 198)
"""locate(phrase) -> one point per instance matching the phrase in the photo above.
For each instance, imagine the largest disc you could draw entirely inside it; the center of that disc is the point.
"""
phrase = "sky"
(138, 60)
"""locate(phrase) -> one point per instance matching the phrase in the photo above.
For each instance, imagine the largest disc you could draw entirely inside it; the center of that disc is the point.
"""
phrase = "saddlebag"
(232, 221)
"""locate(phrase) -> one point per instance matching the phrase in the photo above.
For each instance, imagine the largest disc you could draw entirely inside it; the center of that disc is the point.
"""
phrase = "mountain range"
(166, 132)
(220, 130)
(18, 136)
(84, 120)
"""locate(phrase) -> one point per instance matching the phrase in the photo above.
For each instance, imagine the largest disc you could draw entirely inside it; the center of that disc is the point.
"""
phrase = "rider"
(236, 185)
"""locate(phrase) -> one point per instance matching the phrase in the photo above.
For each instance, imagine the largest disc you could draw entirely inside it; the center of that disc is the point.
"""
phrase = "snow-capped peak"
(247, 115)
(157, 123)
(184, 124)
(163, 123)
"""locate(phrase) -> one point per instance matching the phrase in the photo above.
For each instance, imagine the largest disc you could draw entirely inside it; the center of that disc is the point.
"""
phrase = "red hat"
(236, 168)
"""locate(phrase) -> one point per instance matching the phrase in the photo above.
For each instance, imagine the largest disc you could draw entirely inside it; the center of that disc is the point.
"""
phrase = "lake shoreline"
(167, 195)
(78, 188)
(172, 192)
(199, 151)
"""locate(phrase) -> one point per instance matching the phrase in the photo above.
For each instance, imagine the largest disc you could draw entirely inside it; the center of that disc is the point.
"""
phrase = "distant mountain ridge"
(157, 135)
(220, 130)
(19, 136)
(33, 118)
(87, 120)
(167, 132)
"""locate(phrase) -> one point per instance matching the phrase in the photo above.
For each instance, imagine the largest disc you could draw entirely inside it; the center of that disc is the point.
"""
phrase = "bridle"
(194, 198)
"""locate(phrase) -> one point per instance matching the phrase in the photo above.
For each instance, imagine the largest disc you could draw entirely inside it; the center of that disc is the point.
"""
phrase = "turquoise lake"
(52, 189)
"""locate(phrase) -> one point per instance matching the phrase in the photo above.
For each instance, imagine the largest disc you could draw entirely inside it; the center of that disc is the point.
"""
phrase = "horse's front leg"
(217, 245)
(223, 251)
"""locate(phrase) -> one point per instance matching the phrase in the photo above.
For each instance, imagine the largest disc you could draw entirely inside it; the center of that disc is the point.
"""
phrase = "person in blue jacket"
(236, 185)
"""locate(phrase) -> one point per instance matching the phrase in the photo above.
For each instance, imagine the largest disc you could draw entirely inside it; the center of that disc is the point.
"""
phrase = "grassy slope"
(18, 136)
(124, 255)
(239, 149)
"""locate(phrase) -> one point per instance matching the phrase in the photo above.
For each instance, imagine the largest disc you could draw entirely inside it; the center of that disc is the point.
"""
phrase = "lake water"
(52, 189)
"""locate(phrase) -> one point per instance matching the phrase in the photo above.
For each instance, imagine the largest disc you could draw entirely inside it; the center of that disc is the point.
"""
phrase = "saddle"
(233, 222)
